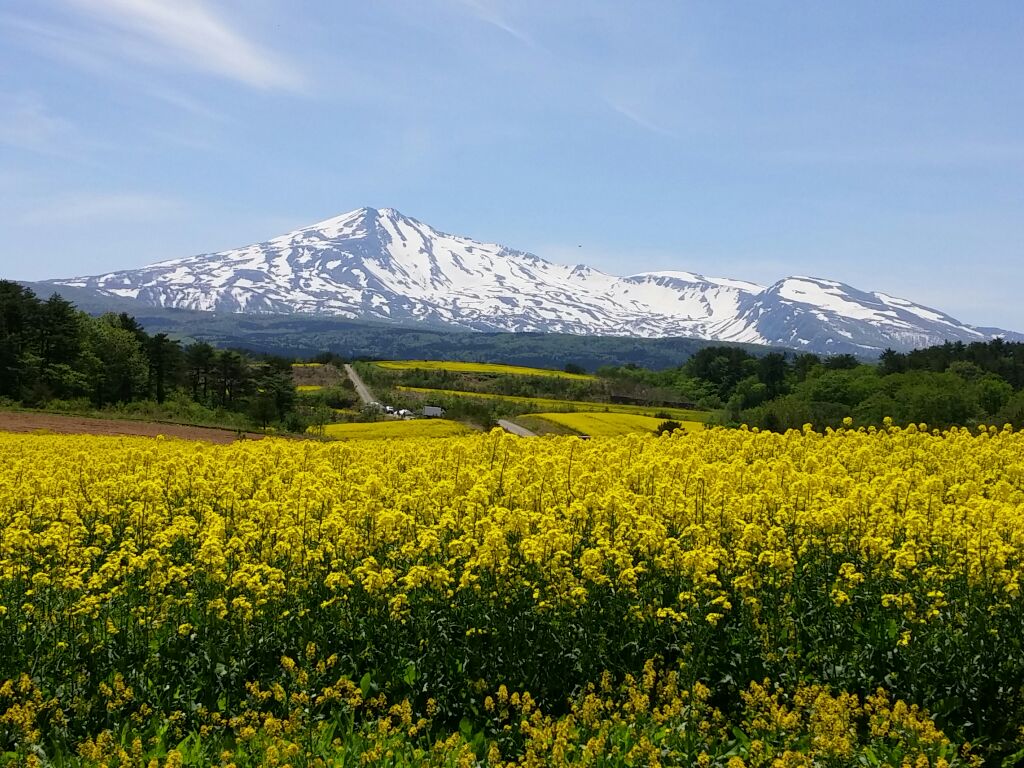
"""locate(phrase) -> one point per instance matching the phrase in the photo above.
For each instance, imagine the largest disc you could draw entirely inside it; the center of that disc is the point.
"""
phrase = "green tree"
(19, 310)
(130, 324)
(116, 366)
(200, 365)
(841, 362)
(233, 378)
(751, 391)
(891, 361)
(966, 370)
(804, 364)
(993, 393)
(771, 372)
(937, 399)
(275, 394)
(723, 367)
(61, 339)
(61, 331)
(846, 386)
(1012, 411)
(165, 359)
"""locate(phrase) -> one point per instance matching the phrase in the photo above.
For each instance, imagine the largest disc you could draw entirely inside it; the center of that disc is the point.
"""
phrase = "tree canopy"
(50, 351)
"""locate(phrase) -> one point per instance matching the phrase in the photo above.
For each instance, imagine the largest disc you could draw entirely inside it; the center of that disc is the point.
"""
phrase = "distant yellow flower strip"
(720, 598)
(489, 368)
(551, 404)
(393, 428)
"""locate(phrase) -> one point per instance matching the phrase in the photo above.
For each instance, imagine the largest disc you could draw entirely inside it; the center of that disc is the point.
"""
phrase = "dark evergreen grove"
(51, 354)
(953, 384)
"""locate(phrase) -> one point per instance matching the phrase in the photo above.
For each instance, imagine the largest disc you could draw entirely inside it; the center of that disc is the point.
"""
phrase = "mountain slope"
(381, 265)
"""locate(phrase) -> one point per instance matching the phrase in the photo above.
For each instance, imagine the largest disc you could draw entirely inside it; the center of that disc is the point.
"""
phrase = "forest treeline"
(953, 384)
(54, 355)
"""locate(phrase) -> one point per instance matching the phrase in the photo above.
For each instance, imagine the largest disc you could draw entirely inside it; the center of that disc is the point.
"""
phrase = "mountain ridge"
(382, 265)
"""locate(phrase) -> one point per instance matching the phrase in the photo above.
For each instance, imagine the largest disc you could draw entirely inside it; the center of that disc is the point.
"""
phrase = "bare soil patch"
(20, 421)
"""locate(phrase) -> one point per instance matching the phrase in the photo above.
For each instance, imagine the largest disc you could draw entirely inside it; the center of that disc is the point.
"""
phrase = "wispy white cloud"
(190, 34)
(26, 123)
(92, 52)
(104, 207)
(635, 116)
(184, 102)
(489, 12)
(60, 42)
(956, 154)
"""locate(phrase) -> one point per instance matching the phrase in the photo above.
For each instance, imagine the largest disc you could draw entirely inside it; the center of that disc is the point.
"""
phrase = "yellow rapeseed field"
(461, 367)
(371, 430)
(720, 598)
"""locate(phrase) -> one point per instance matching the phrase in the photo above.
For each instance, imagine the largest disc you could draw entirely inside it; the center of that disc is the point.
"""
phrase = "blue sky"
(881, 144)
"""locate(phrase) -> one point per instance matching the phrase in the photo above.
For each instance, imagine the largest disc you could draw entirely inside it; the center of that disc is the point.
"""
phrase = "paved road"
(361, 390)
(515, 429)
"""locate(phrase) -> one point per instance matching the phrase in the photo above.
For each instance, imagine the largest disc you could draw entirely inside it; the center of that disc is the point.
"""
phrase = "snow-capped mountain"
(381, 265)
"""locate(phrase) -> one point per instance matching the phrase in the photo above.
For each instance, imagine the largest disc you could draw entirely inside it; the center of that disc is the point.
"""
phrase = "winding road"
(367, 398)
(361, 390)
(515, 429)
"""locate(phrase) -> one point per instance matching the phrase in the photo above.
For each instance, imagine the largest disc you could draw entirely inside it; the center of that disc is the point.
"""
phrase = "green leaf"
(892, 629)
(466, 728)
(1013, 760)
(410, 673)
(364, 685)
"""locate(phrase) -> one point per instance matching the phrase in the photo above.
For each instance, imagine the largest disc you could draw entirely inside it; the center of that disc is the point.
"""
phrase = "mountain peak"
(368, 212)
(377, 263)
(365, 212)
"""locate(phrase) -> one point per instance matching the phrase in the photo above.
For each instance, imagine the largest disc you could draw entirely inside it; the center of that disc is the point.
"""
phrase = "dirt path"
(23, 421)
(515, 429)
(361, 390)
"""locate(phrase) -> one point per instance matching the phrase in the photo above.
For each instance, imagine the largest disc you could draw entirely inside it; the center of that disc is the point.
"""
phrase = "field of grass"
(597, 424)
(490, 368)
(549, 404)
(539, 426)
(373, 430)
(724, 599)
(312, 378)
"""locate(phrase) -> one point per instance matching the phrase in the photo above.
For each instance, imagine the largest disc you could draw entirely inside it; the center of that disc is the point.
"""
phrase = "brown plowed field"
(71, 425)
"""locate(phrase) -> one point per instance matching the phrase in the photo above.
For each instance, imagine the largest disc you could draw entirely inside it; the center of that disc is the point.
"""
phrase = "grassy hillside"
(541, 403)
(611, 424)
